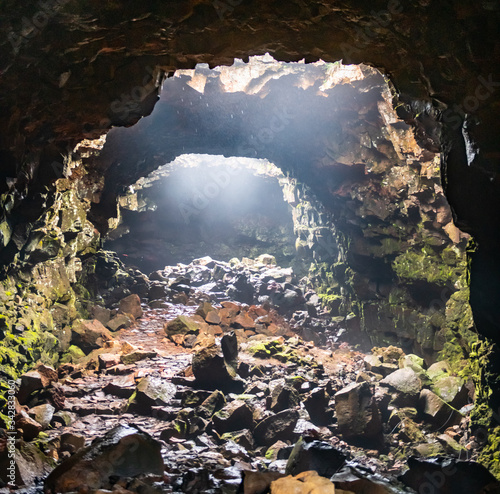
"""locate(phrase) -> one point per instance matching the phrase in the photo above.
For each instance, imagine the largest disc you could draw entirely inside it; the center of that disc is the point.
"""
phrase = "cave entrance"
(373, 229)
(205, 205)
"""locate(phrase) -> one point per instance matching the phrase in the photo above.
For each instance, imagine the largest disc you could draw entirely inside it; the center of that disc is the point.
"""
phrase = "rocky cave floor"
(236, 377)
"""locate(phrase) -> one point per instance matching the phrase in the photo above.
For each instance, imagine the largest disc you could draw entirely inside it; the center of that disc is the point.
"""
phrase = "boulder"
(319, 456)
(89, 334)
(211, 369)
(120, 321)
(259, 482)
(437, 411)
(136, 356)
(234, 416)
(407, 385)
(438, 370)
(102, 314)
(283, 397)
(34, 380)
(448, 476)
(131, 305)
(30, 427)
(125, 451)
(42, 414)
(181, 325)
(357, 412)
(452, 390)
(151, 391)
(316, 405)
(277, 427)
(303, 483)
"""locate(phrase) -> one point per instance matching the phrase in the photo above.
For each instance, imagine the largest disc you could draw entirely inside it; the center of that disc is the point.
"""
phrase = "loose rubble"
(215, 387)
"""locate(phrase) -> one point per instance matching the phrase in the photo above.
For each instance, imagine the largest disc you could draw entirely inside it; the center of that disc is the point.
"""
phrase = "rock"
(71, 442)
(407, 385)
(42, 414)
(266, 259)
(131, 305)
(136, 356)
(182, 325)
(125, 451)
(303, 483)
(244, 438)
(273, 452)
(277, 427)
(401, 422)
(213, 318)
(123, 386)
(319, 456)
(259, 482)
(212, 404)
(30, 464)
(90, 334)
(413, 362)
(452, 390)
(107, 360)
(388, 355)
(372, 363)
(120, 321)
(351, 480)
(34, 380)
(157, 291)
(448, 476)
(438, 370)
(211, 369)
(284, 397)
(316, 405)
(437, 411)
(357, 412)
(243, 321)
(451, 447)
(204, 309)
(229, 347)
(149, 392)
(234, 416)
(102, 314)
(30, 427)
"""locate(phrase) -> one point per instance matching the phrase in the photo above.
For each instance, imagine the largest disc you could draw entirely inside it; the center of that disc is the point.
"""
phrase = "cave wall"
(69, 70)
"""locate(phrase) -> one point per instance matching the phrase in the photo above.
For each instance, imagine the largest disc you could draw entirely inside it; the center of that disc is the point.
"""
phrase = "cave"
(249, 247)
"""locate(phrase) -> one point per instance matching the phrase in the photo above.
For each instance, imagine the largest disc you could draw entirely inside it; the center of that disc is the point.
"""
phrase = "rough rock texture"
(88, 66)
(124, 451)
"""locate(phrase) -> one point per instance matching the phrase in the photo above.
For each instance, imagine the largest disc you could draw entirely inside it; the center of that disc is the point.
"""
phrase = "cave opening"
(204, 205)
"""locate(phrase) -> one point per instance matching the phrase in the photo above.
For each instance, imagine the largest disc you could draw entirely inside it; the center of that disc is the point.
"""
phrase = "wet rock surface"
(245, 405)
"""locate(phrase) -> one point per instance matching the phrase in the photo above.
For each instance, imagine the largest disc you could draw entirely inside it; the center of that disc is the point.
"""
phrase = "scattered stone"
(316, 405)
(211, 369)
(284, 397)
(182, 325)
(407, 385)
(42, 414)
(437, 411)
(438, 369)
(234, 416)
(34, 380)
(123, 386)
(446, 475)
(131, 305)
(120, 321)
(303, 483)
(136, 356)
(90, 334)
(151, 391)
(319, 456)
(71, 442)
(107, 360)
(279, 427)
(452, 390)
(125, 451)
(259, 482)
(357, 412)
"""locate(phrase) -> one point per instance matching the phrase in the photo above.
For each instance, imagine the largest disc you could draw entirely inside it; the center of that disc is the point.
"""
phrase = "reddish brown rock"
(131, 305)
(90, 334)
(244, 321)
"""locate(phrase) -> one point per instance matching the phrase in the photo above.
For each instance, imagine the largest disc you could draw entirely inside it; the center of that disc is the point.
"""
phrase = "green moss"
(490, 454)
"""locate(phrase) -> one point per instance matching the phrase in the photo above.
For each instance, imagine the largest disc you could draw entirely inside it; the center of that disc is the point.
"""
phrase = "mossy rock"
(73, 355)
(490, 454)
